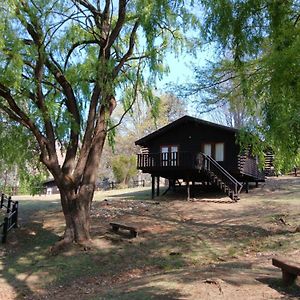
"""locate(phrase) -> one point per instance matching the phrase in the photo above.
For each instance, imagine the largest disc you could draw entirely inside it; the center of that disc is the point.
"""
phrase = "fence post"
(8, 205)
(2, 200)
(5, 227)
(15, 212)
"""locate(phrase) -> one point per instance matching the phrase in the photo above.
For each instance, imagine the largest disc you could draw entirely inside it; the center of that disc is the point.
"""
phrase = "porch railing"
(167, 160)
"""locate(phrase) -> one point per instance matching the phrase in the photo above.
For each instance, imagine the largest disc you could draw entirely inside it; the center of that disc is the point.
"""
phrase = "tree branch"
(71, 104)
(121, 19)
(105, 12)
(88, 135)
(89, 6)
(40, 102)
(12, 114)
(132, 103)
(74, 46)
(18, 115)
(130, 49)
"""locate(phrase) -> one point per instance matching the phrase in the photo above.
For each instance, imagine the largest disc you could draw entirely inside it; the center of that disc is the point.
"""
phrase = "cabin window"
(207, 149)
(214, 150)
(219, 151)
(169, 155)
(164, 156)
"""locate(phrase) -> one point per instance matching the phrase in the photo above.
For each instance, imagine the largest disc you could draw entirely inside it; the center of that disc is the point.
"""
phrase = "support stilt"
(193, 189)
(157, 185)
(188, 189)
(247, 187)
(153, 187)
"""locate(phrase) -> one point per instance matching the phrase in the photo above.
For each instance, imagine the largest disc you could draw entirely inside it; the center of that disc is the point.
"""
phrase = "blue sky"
(181, 72)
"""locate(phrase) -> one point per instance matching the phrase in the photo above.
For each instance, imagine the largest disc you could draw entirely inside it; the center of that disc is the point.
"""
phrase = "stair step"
(226, 189)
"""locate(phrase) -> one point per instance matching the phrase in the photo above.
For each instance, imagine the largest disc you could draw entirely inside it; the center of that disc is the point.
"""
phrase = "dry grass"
(181, 247)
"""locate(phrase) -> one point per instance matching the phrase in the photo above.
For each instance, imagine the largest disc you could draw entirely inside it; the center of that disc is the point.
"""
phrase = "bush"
(124, 168)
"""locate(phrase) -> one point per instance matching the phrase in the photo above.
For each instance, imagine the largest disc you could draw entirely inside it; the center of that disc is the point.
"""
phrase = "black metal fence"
(11, 218)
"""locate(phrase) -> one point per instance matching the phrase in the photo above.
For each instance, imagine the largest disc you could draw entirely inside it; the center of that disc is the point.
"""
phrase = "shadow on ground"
(184, 250)
(288, 292)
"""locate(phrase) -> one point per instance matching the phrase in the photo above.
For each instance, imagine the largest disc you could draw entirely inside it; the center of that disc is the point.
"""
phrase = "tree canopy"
(65, 65)
(257, 67)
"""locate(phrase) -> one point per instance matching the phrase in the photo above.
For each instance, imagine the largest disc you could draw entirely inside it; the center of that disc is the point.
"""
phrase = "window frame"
(213, 149)
(169, 160)
(223, 153)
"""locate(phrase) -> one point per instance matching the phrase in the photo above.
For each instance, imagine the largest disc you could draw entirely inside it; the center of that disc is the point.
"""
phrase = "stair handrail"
(225, 172)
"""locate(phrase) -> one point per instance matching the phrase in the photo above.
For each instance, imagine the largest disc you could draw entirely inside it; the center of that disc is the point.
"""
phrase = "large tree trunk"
(76, 209)
(77, 195)
(76, 199)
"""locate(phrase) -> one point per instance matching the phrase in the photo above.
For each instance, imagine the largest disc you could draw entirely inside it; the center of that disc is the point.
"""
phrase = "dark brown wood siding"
(191, 136)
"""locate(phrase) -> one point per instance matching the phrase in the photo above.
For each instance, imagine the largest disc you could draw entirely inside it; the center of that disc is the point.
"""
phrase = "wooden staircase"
(220, 177)
(269, 164)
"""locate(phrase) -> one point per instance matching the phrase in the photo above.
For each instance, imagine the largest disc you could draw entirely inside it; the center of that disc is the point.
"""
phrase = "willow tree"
(258, 67)
(64, 66)
(18, 158)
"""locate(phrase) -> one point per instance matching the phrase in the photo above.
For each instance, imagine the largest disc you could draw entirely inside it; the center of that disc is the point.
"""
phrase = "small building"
(198, 152)
(50, 187)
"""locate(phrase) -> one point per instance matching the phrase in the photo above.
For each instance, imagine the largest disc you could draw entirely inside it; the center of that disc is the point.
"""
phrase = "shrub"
(124, 168)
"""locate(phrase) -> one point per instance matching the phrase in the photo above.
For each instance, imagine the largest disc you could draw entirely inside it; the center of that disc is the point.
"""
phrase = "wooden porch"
(167, 161)
(195, 167)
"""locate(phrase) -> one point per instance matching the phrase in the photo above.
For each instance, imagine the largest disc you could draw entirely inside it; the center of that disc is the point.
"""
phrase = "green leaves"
(258, 68)
(62, 63)
(124, 168)
(18, 152)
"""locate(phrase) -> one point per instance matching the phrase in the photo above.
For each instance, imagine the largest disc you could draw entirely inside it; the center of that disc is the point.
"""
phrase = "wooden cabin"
(197, 151)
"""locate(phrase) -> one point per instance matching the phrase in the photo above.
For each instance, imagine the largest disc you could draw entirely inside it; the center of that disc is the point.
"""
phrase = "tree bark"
(76, 197)
(76, 209)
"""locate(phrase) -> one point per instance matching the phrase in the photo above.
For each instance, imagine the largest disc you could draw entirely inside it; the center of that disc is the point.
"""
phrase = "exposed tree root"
(60, 246)
(86, 245)
(65, 244)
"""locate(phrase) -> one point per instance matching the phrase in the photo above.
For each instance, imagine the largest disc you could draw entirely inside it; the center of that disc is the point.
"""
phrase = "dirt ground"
(207, 248)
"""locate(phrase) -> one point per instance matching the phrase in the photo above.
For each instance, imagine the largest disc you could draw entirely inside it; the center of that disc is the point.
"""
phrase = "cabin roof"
(178, 122)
